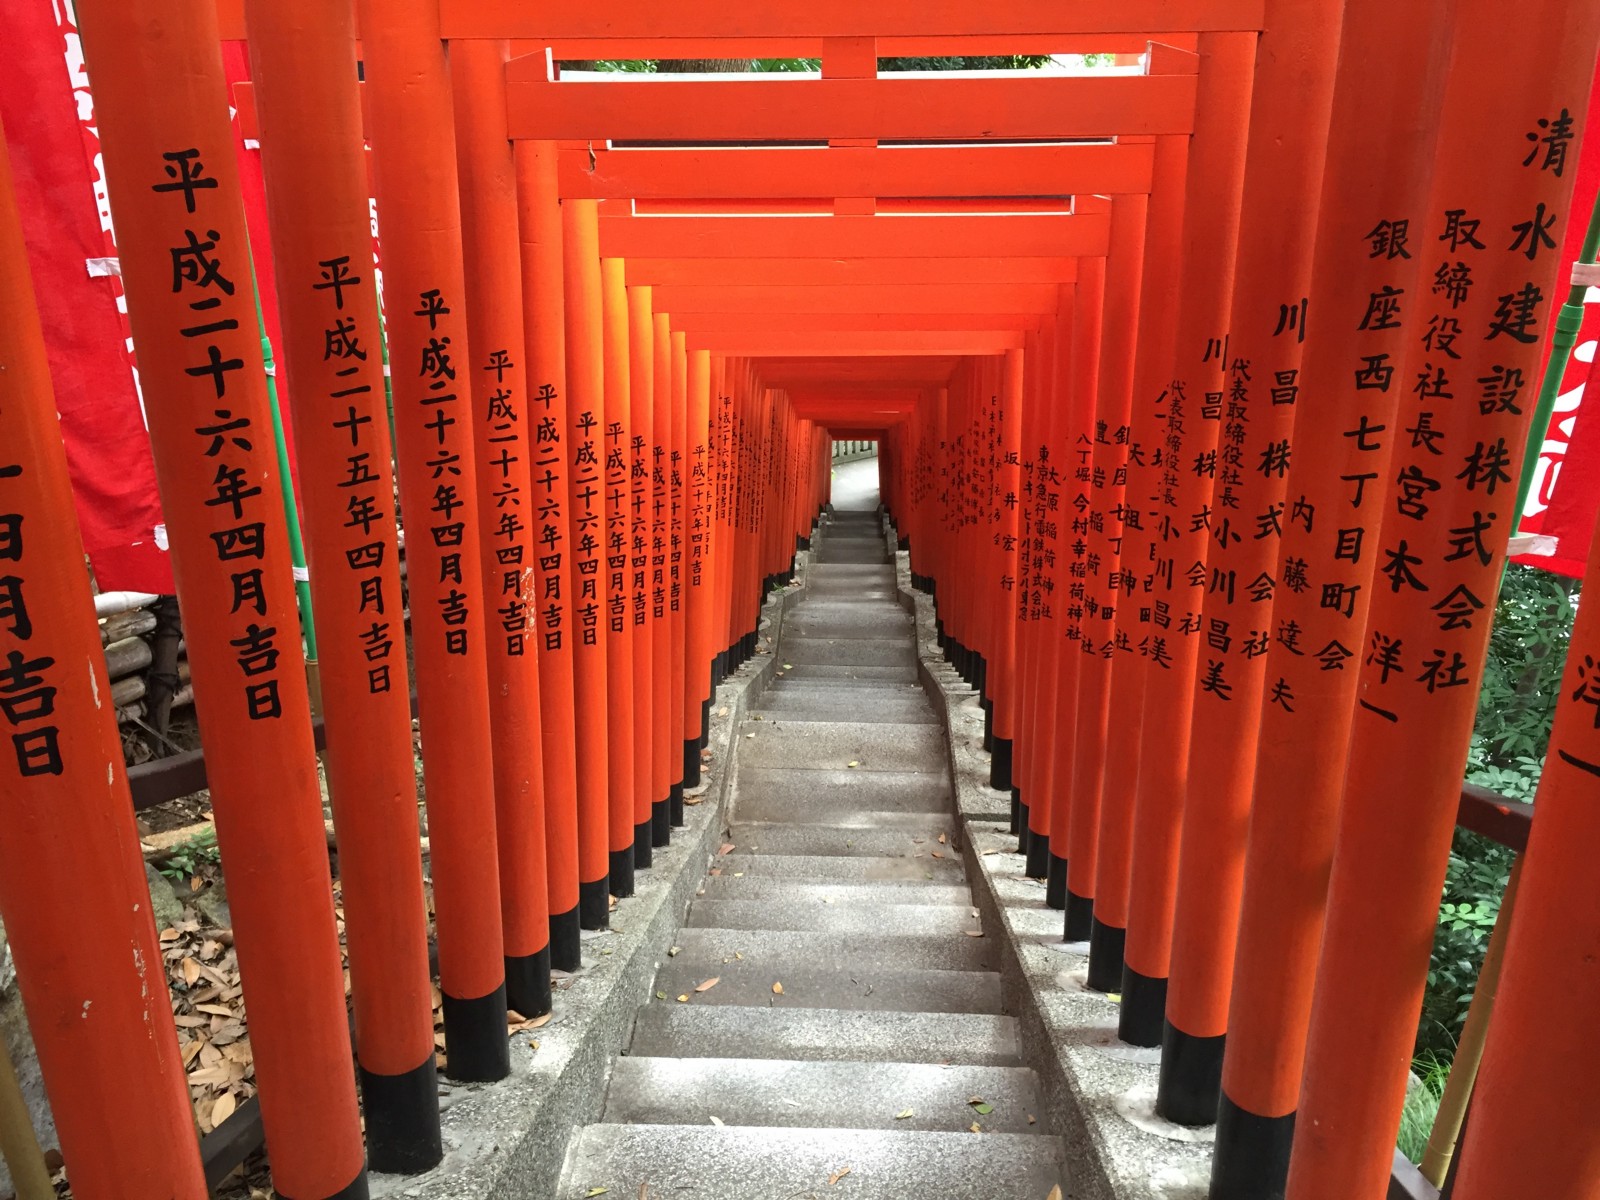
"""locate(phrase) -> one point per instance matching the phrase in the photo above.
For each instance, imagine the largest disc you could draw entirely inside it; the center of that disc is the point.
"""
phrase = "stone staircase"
(849, 1039)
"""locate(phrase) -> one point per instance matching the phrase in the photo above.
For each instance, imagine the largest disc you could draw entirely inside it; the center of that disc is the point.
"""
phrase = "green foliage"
(999, 62)
(1422, 1105)
(636, 66)
(1521, 684)
(785, 65)
(187, 858)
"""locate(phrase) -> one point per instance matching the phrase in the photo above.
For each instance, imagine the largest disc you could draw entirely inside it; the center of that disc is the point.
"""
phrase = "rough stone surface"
(691, 1162)
(165, 906)
(1068, 1033)
(846, 951)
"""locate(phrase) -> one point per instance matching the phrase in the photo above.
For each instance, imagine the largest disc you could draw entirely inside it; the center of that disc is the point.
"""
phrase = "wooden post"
(503, 446)
(1178, 574)
(1439, 553)
(410, 127)
(112, 1067)
(544, 342)
(620, 713)
(1364, 246)
(585, 434)
(1293, 92)
(309, 115)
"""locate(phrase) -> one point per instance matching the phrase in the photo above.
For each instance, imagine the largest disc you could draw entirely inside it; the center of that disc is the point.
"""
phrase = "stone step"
(796, 838)
(692, 1162)
(749, 981)
(842, 620)
(910, 707)
(778, 949)
(845, 1095)
(834, 745)
(793, 674)
(839, 796)
(851, 571)
(888, 919)
(820, 868)
(761, 887)
(849, 652)
(824, 1035)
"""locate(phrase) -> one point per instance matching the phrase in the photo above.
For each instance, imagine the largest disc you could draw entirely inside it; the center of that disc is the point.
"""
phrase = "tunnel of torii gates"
(1201, 390)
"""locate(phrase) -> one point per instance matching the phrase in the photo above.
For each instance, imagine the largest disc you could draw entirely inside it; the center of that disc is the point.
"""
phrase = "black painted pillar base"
(402, 1114)
(691, 772)
(476, 1048)
(1080, 917)
(675, 800)
(1105, 956)
(620, 876)
(1024, 834)
(1251, 1160)
(1000, 772)
(1038, 852)
(988, 723)
(594, 903)
(566, 953)
(644, 855)
(1143, 1016)
(1016, 803)
(705, 721)
(1191, 1077)
(1055, 883)
(661, 822)
(528, 983)
(356, 1189)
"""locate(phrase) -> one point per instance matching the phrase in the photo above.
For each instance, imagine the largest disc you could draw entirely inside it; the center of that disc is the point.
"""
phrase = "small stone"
(165, 906)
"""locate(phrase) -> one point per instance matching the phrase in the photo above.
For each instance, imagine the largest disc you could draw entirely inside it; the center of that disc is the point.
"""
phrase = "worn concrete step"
(833, 745)
(820, 868)
(825, 1035)
(840, 550)
(838, 796)
(826, 705)
(797, 838)
(760, 887)
(846, 1095)
(846, 620)
(779, 949)
(850, 652)
(791, 674)
(749, 981)
(887, 919)
(699, 1162)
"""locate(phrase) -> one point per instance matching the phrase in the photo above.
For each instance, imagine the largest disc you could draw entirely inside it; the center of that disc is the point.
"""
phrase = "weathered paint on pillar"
(126, 1128)
(309, 116)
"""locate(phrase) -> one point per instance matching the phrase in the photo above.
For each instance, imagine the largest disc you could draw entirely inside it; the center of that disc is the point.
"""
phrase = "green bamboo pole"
(1569, 318)
(291, 512)
(19, 1147)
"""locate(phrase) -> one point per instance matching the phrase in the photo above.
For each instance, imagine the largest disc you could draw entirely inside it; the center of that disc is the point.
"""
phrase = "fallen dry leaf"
(941, 839)
(725, 848)
(838, 1175)
(974, 932)
(974, 1128)
(904, 1113)
(717, 1121)
(935, 854)
(674, 951)
(708, 984)
(597, 1191)
(852, 763)
(1055, 1192)
(723, 711)
(684, 999)
(777, 989)
(644, 1191)
(1031, 1121)
(223, 1109)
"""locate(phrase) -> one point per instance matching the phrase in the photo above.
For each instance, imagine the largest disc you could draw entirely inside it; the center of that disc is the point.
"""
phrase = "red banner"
(1558, 520)
(49, 123)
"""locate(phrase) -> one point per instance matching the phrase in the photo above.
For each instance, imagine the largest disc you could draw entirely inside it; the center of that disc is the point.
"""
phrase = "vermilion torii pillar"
(309, 115)
(501, 408)
(126, 1128)
(544, 342)
(1283, 172)
(432, 364)
(1180, 525)
(1491, 229)
(1364, 245)
(642, 384)
(172, 178)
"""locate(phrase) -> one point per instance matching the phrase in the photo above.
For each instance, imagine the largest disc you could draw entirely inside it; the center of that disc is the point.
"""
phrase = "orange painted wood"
(785, 172)
(840, 18)
(317, 190)
(890, 322)
(104, 1034)
(1029, 236)
(855, 344)
(953, 105)
(818, 272)
(915, 299)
